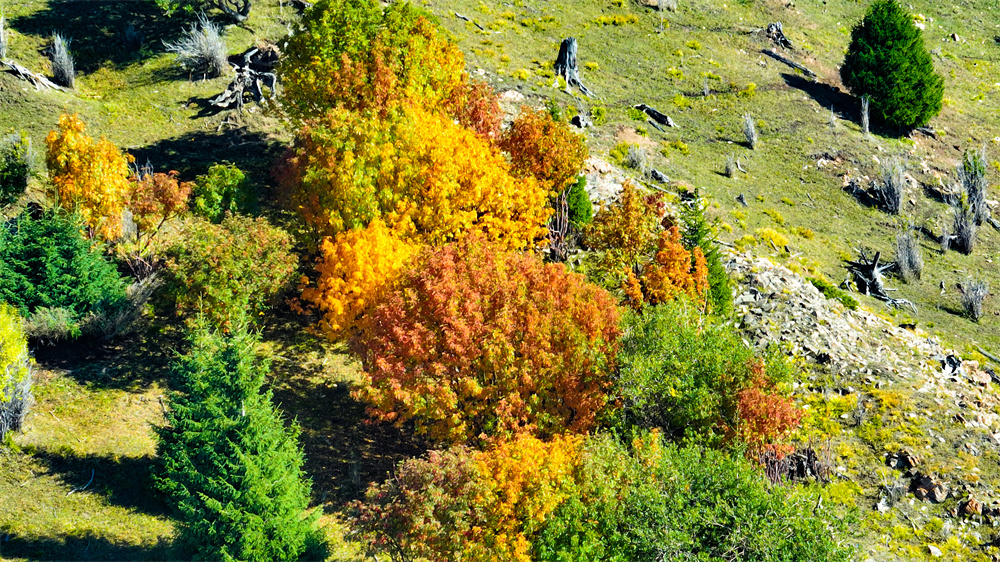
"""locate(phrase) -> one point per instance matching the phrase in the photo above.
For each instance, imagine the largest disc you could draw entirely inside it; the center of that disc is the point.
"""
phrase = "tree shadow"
(846, 105)
(345, 452)
(80, 546)
(122, 481)
(97, 29)
(192, 153)
(129, 363)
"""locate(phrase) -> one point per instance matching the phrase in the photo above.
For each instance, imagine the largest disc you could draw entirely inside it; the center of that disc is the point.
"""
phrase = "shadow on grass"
(122, 481)
(846, 105)
(344, 452)
(192, 153)
(130, 363)
(97, 29)
(82, 546)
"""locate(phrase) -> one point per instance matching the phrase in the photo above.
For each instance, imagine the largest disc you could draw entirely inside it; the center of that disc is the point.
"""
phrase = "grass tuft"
(201, 49)
(62, 61)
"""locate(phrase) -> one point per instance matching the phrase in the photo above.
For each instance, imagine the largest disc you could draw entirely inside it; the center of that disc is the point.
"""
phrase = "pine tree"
(887, 62)
(698, 234)
(230, 467)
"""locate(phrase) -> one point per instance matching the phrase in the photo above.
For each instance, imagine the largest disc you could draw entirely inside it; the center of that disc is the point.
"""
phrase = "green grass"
(94, 412)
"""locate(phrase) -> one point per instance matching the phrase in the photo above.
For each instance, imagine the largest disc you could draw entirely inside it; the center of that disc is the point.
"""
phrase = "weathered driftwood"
(658, 176)
(867, 273)
(789, 62)
(40, 82)
(466, 18)
(775, 33)
(566, 66)
(656, 115)
(248, 78)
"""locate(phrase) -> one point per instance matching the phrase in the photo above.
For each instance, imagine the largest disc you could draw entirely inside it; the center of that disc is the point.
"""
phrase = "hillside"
(901, 405)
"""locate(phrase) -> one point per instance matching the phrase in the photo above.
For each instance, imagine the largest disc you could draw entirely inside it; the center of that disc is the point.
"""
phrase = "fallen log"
(789, 62)
(39, 81)
(566, 66)
(656, 115)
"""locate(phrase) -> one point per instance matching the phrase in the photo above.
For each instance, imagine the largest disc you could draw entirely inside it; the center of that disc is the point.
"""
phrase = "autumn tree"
(543, 148)
(355, 55)
(478, 343)
(355, 269)
(625, 234)
(89, 176)
(461, 504)
(428, 179)
(154, 199)
(673, 271)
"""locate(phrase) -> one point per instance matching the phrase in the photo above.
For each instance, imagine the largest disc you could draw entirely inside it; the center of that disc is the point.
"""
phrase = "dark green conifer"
(887, 62)
(230, 468)
(698, 233)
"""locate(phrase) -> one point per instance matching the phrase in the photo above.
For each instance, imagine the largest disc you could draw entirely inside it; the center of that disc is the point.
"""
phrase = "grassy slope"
(88, 419)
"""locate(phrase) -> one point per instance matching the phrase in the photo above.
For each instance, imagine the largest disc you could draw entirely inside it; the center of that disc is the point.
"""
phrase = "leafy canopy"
(887, 62)
(89, 176)
(476, 342)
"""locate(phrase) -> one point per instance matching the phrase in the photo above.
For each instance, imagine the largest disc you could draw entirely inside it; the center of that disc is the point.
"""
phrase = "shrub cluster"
(224, 188)
(238, 265)
(15, 372)
(589, 499)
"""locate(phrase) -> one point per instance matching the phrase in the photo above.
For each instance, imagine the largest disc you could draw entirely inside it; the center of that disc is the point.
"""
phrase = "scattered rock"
(902, 460)
(970, 508)
(927, 488)
(935, 551)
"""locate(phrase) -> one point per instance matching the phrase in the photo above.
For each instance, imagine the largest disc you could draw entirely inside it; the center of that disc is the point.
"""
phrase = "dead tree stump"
(566, 67)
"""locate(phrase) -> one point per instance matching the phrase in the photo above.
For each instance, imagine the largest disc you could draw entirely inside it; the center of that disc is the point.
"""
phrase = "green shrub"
(15, 372)
(681, 371)
(831, 292)
(15, 167)
(656, 501)
(224, 188)
(581, 209)
(887, 62)
(599, 115)
(46, 262)
(241, 263)
(52, 325)
(231, 469)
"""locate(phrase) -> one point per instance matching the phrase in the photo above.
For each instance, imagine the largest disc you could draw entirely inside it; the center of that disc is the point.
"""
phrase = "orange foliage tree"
(429, 180)
(354, 270)
(625, 233)
(90, 176)
(465, 505)
(357, 56)
(156, 198)
(544, 148)
(673, 271)
(477, 343)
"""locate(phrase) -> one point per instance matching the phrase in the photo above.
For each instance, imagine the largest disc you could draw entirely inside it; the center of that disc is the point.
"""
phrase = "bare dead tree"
(566, 66)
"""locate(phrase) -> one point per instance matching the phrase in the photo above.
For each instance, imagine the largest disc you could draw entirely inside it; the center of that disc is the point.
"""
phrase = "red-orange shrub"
(543, 148)
(479, 343)
(477, 108)
(673, 271)
(156, 198)
(625, 233)
(763, 417)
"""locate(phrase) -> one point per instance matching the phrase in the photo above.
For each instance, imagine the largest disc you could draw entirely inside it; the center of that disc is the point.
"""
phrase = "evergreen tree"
(887, 62)
(231, 469)
(698, 233)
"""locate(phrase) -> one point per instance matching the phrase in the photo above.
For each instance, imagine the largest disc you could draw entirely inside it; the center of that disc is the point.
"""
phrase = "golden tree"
(90, 176)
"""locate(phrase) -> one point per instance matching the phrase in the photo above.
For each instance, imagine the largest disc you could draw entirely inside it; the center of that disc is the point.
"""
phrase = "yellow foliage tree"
(90, 176)
(355, 268)
(525, 481)
(673, 271)
(429, 179)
